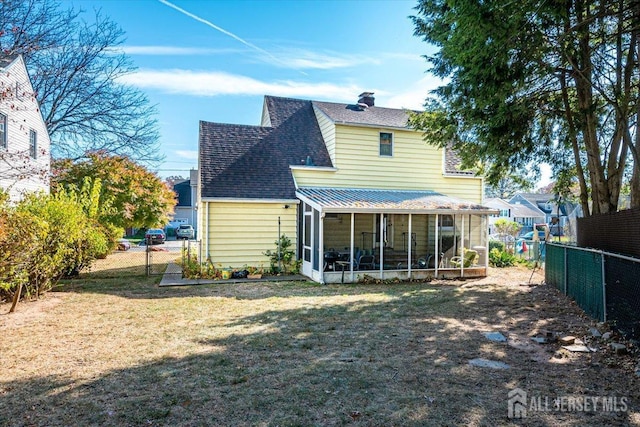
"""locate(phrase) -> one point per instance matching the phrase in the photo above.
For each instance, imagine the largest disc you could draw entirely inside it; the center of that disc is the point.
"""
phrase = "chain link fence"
(138, 260)
(605, 285)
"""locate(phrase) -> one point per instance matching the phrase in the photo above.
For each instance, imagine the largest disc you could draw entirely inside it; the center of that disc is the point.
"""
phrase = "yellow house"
(356, 190)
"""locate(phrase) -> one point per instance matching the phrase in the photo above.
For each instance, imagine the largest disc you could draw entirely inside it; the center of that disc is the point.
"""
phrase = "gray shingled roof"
(183, 192)
(524, 211)
(374, 116)
(6, 60)
(238, 161)
(372, 200)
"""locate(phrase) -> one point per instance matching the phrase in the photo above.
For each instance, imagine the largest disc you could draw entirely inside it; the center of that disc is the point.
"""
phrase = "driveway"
(172, 245)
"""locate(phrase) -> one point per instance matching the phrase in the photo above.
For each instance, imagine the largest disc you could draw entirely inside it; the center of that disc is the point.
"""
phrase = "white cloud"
(218, 28)
(172, 50)
(187, 154)
(200, 83)
(306, 59)
(414, 96)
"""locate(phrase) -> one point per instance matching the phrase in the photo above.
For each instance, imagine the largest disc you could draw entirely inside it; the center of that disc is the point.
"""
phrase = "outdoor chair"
(366, 262)
(469, 259)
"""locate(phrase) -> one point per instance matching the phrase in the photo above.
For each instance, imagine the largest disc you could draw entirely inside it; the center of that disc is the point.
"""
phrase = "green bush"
(283, 261)
(45, 237)
(19, 243)
(496, 244)
(500, 259)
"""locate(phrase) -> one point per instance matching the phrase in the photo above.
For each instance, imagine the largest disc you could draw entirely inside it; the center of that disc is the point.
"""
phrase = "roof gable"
(239, 161)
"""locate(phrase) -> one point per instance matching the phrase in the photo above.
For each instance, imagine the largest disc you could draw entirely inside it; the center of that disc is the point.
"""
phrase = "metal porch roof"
(387, 201)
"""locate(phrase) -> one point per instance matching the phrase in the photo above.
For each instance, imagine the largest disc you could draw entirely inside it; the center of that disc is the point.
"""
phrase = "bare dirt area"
(121, 351)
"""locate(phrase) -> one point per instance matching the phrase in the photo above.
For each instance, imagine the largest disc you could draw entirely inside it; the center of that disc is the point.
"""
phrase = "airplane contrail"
(222, 30)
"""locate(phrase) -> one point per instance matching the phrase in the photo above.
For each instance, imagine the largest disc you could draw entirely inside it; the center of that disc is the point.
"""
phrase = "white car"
(185, 231)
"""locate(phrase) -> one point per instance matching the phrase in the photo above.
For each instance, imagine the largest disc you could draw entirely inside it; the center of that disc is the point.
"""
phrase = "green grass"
(108, 351)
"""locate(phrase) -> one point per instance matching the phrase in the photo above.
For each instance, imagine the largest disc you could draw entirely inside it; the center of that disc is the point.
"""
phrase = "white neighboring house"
(525, 215)
(25, 155)
(504, 208)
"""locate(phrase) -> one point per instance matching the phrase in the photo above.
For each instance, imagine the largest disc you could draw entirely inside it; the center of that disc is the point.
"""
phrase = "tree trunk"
(582, 75)
(584, 192)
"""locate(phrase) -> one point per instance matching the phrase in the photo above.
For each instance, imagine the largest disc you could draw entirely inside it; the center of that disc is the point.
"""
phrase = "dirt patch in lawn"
(125, 352)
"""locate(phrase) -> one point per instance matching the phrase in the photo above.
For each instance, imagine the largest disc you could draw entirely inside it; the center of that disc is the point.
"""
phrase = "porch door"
(307, 243)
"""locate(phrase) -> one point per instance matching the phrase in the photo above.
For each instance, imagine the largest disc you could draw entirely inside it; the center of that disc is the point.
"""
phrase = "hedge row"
(46, 237)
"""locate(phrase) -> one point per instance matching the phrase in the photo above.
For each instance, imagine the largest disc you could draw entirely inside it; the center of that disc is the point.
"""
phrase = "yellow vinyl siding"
(414, 165)
(239, 233)
(328, 130)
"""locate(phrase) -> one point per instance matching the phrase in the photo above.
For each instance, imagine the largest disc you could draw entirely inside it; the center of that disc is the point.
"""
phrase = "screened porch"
(418, 235)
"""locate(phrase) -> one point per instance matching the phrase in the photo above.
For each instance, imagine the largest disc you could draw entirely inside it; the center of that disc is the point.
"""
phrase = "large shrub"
(45, 237)
(19, 242)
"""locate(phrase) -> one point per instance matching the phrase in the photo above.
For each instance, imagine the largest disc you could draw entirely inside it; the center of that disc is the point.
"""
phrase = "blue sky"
(215, 60)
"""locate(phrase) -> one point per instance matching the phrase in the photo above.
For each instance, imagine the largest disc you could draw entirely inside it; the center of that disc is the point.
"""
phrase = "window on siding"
(33, 143)
(3, 131)
(386, 144)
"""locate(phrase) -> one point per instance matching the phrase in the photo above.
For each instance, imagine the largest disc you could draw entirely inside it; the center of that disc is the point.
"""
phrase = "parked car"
(185, 231)
(154, 236)
(504, 238)
(529, 235)
(124, 245)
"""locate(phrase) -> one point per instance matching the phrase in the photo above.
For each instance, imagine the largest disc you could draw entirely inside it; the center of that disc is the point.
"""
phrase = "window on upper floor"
(386, 144)
(3, 131)
(33, 143)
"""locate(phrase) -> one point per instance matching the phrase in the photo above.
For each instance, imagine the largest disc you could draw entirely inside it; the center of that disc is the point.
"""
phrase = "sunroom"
(348, 233)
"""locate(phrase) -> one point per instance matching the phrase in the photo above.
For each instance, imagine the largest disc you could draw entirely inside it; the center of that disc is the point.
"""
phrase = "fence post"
(604, 290)
(147, 247)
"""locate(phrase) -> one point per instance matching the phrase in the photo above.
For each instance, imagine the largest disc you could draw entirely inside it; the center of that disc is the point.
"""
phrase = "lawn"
(119, 351)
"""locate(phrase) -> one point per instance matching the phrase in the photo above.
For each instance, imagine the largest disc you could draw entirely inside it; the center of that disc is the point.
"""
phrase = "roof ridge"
(287, 98)
(236, 125)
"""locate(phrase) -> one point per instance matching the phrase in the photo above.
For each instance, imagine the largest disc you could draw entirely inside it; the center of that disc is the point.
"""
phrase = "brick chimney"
(366, 98)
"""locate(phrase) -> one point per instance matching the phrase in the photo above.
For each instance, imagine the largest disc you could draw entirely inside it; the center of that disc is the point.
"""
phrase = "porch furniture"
(393, 260)
(468, 260)
(330, 258)
(343, 265)
(426, 261)
(367, 262)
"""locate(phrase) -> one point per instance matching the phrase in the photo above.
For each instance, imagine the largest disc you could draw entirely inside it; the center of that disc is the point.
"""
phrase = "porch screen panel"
(307, 238)
(316, 240)
(424, 241)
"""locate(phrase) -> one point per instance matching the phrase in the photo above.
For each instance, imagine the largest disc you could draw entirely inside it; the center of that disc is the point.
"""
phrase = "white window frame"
(3, 130)
(390, 144)
(33, 144)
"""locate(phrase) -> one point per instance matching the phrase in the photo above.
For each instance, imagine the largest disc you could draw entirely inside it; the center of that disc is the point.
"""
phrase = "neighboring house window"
(33, 143)
(3, 131)
(504, 212)
(386, 144)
